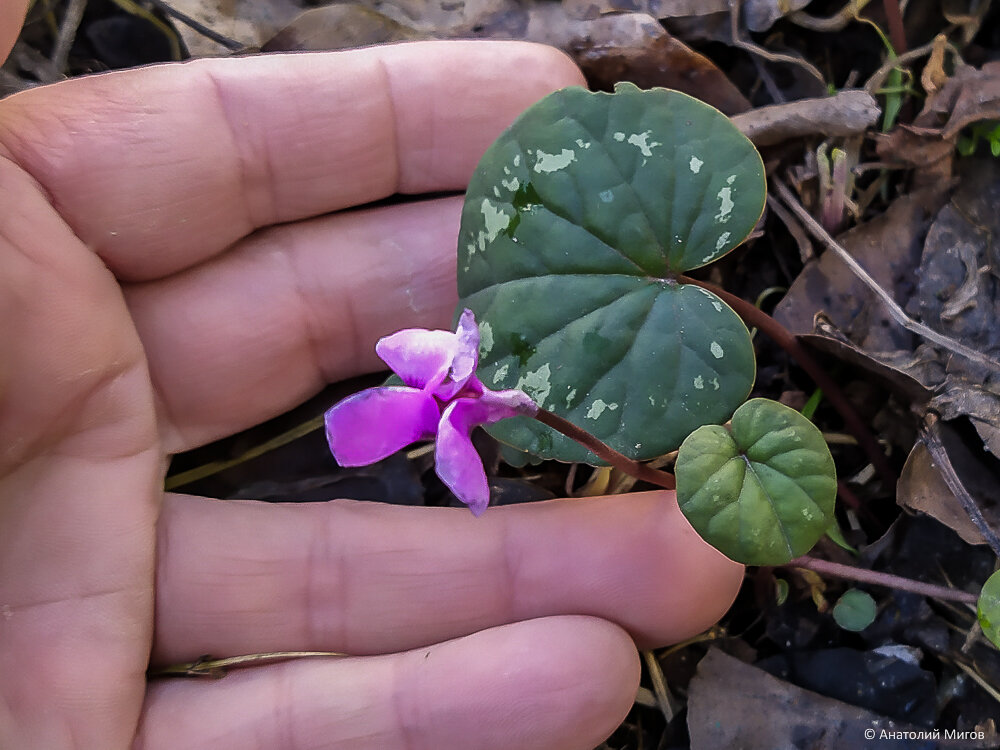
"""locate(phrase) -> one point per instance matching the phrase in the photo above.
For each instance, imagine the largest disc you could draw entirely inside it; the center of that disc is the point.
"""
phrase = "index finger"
(159, 168)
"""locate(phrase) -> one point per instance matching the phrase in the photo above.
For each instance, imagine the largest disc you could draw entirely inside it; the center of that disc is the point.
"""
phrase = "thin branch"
(755, 49)
(861, 575)
(894, 310)
(875, 82)
(930, 435)
(837, 22)
(605, 452)
(67, 33)
(831, 389)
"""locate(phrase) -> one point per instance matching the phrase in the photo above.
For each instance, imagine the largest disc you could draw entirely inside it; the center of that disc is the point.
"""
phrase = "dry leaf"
(922, 488)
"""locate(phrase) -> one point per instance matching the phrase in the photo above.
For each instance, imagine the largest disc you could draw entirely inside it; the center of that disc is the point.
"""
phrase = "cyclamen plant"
(579, 224)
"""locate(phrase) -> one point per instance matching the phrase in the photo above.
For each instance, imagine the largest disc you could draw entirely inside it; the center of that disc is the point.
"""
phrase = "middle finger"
(241, 577)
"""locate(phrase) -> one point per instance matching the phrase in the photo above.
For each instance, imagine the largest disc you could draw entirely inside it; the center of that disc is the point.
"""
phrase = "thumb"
(11, 17)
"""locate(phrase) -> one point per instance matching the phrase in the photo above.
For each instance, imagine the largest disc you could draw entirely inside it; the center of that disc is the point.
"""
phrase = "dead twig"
(67, 33)
(892, 307)
(847, 113)
(875, 82)
(837, 22)
(754, 49)
(930, 436)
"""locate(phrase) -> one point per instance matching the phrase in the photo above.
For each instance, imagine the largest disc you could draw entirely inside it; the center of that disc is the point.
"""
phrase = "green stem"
(861, 575)
(605, 452)
(787, 341)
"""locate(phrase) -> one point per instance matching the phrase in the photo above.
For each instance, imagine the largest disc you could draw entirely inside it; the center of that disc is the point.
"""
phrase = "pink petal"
(466, 359)
(467, 353)
(455, 458)
(420, 357)
(377, 422)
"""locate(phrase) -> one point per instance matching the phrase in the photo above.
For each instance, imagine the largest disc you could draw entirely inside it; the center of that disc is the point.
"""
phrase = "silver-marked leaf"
(761, 492)
(989, 608)
(576, 225)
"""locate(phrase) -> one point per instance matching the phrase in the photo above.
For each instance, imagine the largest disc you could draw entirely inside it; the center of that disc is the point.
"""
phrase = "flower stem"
(787, 341)
(605, 452)
(851, 573)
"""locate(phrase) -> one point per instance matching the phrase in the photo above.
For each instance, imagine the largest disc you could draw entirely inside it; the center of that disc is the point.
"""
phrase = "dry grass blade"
(659, 685)
(207, 667)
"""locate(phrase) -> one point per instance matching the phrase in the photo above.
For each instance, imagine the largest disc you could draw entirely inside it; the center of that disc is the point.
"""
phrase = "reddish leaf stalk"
(606, 452)
(787, 341)
(851, 573)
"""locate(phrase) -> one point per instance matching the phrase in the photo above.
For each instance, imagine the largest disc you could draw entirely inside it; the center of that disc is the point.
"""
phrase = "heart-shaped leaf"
(576, 225)
(989, 608)
(761, 492)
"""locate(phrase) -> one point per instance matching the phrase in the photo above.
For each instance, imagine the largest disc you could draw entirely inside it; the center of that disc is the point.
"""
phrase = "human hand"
(177, 262)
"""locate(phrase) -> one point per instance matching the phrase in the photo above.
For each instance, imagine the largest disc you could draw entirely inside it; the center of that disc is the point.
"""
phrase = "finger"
(563, 682)
(159, 168)
(11, 16)
(259, 329)
(245, 577)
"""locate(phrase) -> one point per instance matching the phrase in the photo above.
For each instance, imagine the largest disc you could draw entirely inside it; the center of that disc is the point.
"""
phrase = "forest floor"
(879, 126)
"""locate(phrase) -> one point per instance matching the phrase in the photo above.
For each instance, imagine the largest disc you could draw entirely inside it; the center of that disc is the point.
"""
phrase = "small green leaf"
(855, 610)
(576, 225)
(761, 492)
(989, 609)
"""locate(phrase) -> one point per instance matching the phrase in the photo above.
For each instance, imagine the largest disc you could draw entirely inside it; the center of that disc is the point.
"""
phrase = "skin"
(181, 259)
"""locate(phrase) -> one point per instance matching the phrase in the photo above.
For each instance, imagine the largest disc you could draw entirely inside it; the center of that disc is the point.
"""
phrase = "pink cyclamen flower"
(441, 397)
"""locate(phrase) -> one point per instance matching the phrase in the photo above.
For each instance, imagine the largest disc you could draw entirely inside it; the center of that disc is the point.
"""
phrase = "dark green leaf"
(576, 224)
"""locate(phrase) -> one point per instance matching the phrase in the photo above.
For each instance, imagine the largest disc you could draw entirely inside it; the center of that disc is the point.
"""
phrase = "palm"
(143, 315)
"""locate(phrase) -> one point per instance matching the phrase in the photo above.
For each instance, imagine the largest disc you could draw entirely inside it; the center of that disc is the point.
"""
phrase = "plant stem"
(787, 341)
(897, 32)
(605, 452)
(851, 573)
